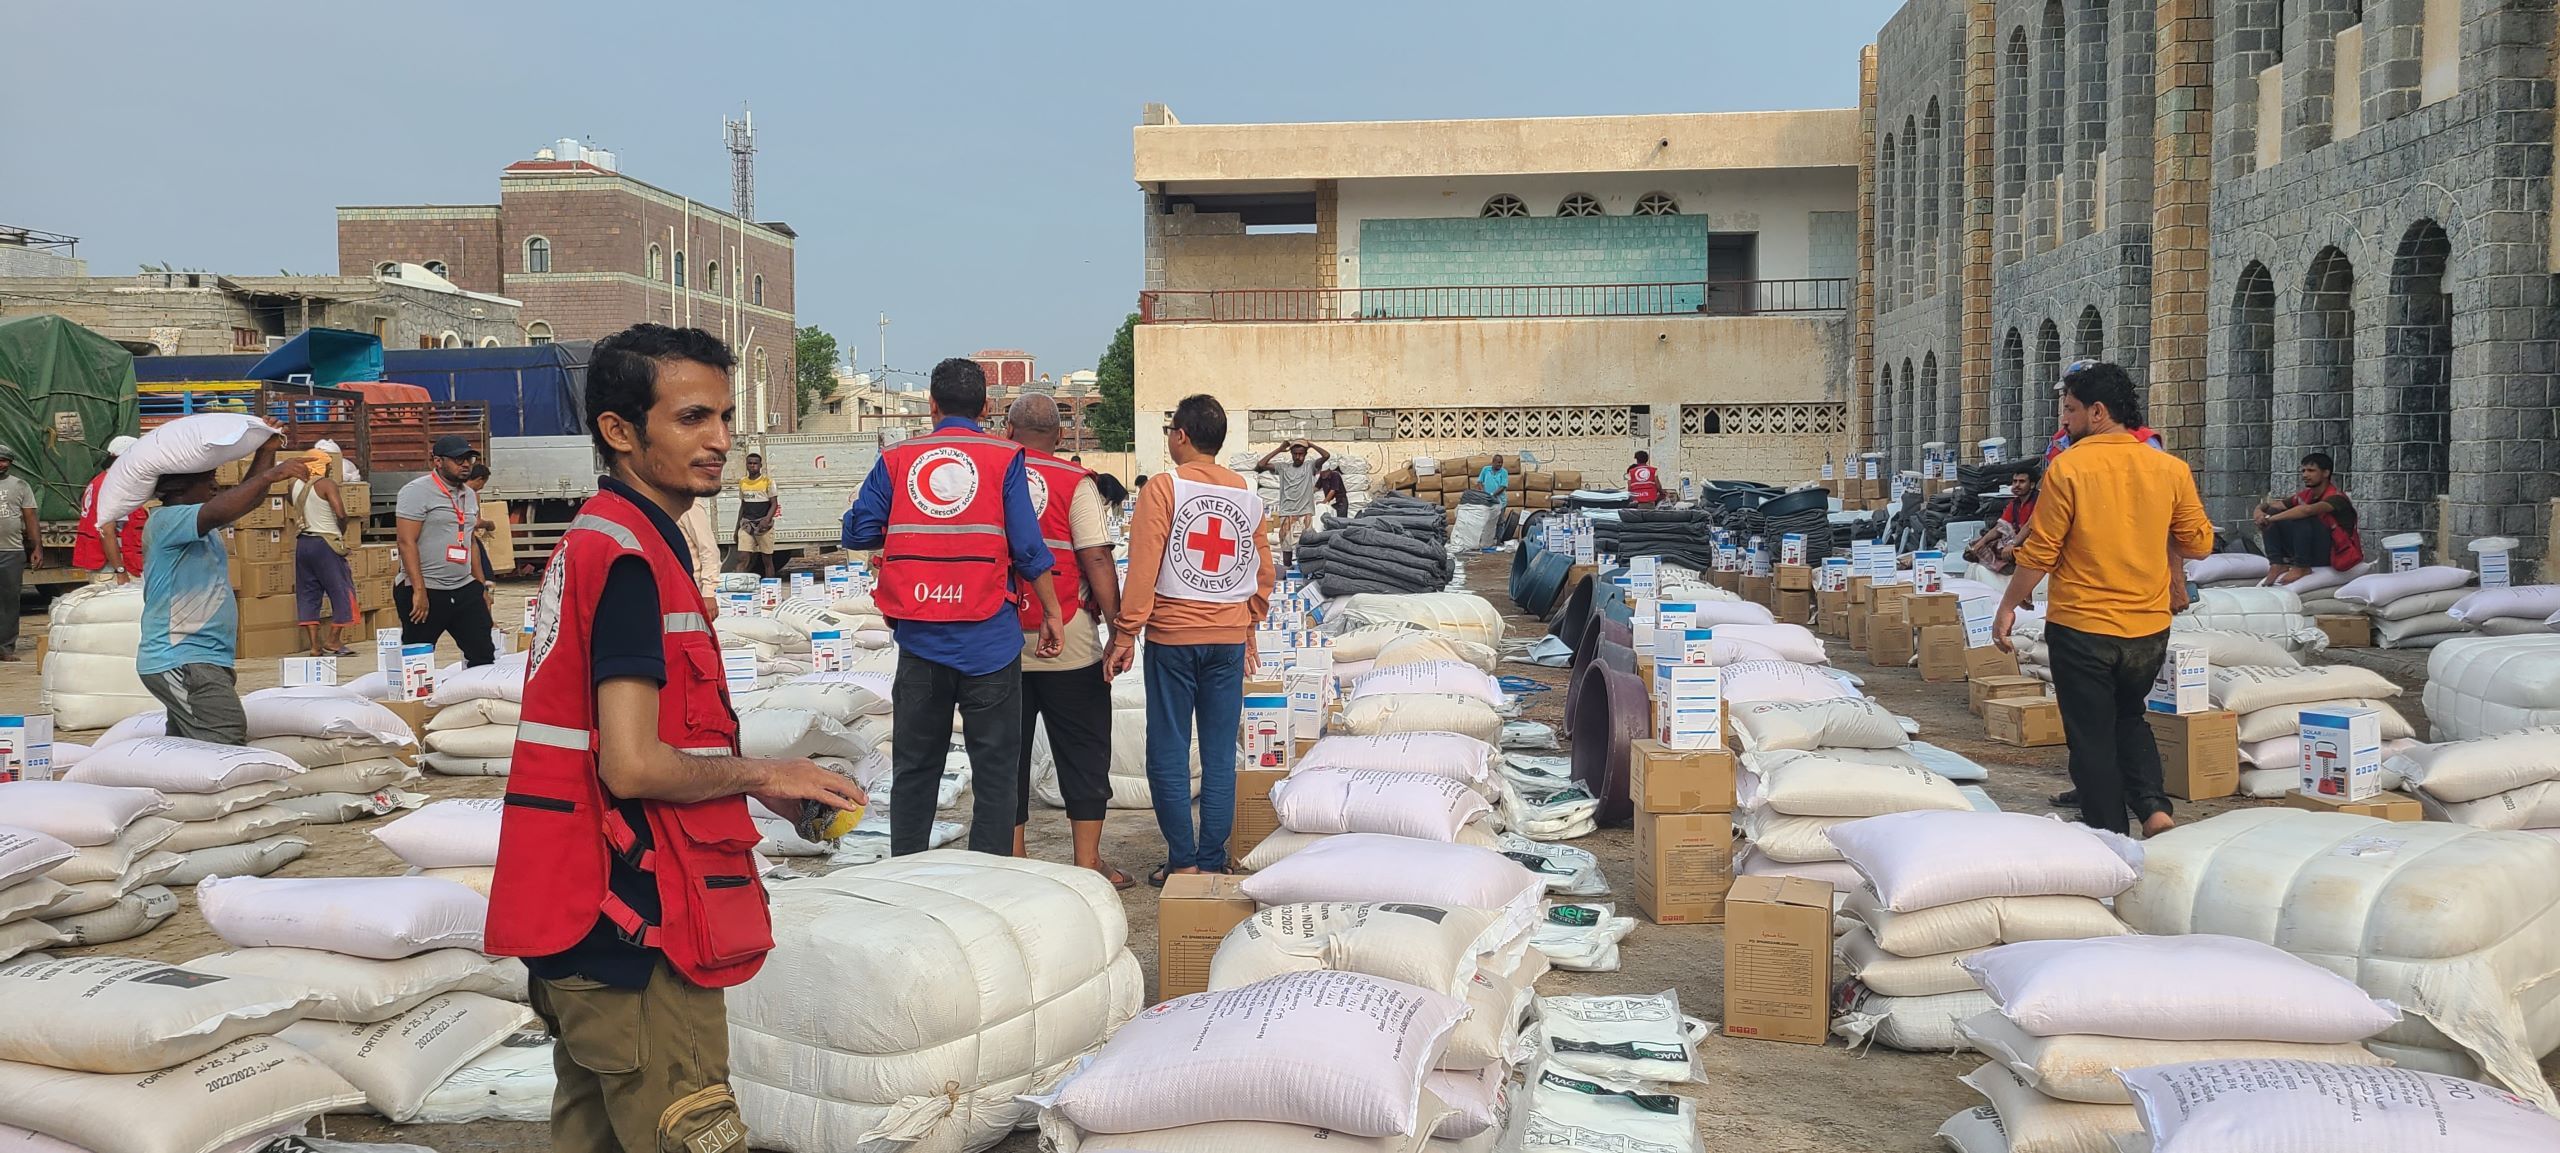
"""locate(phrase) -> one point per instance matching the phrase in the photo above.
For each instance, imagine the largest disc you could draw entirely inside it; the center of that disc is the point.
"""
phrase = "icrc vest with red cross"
(944, 555)
(1212, 550)
(559, 823)
(1053, 491)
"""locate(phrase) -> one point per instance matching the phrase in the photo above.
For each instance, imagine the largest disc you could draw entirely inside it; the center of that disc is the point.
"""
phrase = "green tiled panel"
(1455, 253)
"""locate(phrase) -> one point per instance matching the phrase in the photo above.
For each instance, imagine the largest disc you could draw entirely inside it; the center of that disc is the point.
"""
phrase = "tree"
(813, 352)
(1114, 419)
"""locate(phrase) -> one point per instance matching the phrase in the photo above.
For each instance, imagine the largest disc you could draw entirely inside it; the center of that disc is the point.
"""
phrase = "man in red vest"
(2314, 528)
(1067, 694)
(950, 514)
(88, 548)
(1644, 482)
(626, 873)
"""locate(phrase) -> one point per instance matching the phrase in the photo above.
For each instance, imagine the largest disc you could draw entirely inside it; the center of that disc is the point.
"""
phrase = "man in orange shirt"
(2101, 515)
(1198, 581)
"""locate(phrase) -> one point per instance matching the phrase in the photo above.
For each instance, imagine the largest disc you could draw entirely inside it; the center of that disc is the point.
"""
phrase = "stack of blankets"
(1681, 536)
(1394, 544)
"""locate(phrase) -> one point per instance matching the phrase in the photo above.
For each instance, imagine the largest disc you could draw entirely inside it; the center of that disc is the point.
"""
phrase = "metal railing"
(1494, 302)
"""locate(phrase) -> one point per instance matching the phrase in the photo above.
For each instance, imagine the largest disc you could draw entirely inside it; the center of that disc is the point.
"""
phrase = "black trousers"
(2303, 541)
(922, 699)
(1074, 705)
(2100, 683)
(463, 612)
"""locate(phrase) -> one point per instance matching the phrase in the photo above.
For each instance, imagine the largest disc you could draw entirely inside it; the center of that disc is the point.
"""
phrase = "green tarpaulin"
(64, 393)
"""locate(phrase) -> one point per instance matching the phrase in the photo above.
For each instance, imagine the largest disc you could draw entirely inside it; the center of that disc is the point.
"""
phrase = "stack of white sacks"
(1596, 1056)
(1817, 755)
(2228, 570)
(1129, 788)
(1939, 889)
(2508, 781)
(102, 868)
(403, 1005)
(1433, 786)
(2318, 591)
(209, 835)
(2271, 699)
(2412, 609)
(88, 680)
(2069, 1017)
(845, 729)
(473, 732)
(2237, 624)
(348, 752)
(2516, 610)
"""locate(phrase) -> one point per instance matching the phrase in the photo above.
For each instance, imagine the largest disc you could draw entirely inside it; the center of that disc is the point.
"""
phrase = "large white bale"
(201, 442)
(1422, 713)
(1919, 860)
(257, 1085)
(1453, 678)
(2481, 686)
(2262, 1106)
(385, 918)
(1809, 784)
(122, 1015)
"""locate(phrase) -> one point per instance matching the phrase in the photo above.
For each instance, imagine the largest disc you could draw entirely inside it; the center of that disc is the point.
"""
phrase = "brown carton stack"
(1793, 606)
(1758, 590)
(2199, 753)
(1777, 960)
(1982, 689)
(1192, 920)
(1942, 653)
(2023, 722)
(1831, 613)
(1255, 818)
(1684, 831)
(1923, 610)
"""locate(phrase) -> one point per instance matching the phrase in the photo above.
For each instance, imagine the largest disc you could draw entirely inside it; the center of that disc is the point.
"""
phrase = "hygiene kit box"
(293, 671)
(2342, 753)
(1777, 959)
(26, 747)
(2185, 683)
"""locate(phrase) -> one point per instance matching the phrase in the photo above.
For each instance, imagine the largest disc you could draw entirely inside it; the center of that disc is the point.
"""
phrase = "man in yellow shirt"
(2105, 508)
(758, 507)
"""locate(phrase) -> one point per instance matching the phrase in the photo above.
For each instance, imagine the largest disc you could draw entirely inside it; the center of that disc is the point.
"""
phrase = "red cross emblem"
(1212, 543)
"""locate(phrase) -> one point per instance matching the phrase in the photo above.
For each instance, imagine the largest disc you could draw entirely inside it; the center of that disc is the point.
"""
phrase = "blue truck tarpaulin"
(327, 355)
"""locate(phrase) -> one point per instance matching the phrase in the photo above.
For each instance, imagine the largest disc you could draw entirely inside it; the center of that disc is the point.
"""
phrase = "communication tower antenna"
(741, 134)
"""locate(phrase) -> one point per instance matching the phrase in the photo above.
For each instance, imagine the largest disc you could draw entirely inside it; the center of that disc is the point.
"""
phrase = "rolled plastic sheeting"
(1611, 713)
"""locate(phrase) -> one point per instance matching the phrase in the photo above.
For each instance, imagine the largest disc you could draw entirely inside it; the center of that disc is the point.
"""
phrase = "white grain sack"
(201, 442)
(1489, 1035)
(1337, 1050)
(2470, 770)
(1417, 805)
(128, 916)
(385, 918)
(446, 834)
(232, 829)
(2246, 689)
(356, 989)
(187, 808)
(75, 814)
(248, 859)
(1376, 867)
(1441, 754)
(258, 1085)
(90, 896)
(514, 1081)
(1248, 1137)
(1981, 923)
(121, 1015)
(1896, 975)
(2036, 1123)
(1425, 945)
(1858, 723)
(1422, 713)
(2197, 987)
(2309, 1107)
(26, 853)
(28, 897)
(18, 937)
(1809, 784)
(1924, 859)
(179, 765)
(2084, 1067)
(108, 861)
(398, 1061)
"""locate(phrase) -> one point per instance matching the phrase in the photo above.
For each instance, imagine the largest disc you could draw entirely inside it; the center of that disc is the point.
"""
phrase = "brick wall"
(466, 239)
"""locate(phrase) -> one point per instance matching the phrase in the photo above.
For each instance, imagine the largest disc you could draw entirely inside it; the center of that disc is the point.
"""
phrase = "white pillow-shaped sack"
(448, 834)
(2193, 987)
(78, 815)
(2248, 689)
(838, 696)
(1896, 975)
(201, 442)
(323, 711)
(2469, 770)
(1787, 642)
(502, 680)
(1809, 784)
(1378, 867)
(1447, 678)
(2383, 588)
(1432, 648)
(2521, 602)
(255, 858)
(358, 989)
(472, 714)
(254, 1088)
(1418, 805)
(485, 741)
(2226, 648)
(2323, 579)
(2437, 603)
(108, 861)
(786, 733)
(2227, 566)
(2079, 1067)
(1981, 923)
(1743, 682)
(1858, 723)
(1363, 644)
(1277, 845)
(122, 1015)
(2418, 632)
(385, 918)
(455, 765)
(1431, 946)
(179, 765)
(321, 752)
(2030, 1122)
(26, 853)
(1453, 755)
(2291, 1106)
(2276, 721)
(1422, 713)
(1921, 860)
(1344, 1051)
(2534, 806)
(398, 1061)
(1790, 839)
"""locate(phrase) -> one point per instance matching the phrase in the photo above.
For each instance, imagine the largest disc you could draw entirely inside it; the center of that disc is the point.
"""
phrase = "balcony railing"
(1494, 302)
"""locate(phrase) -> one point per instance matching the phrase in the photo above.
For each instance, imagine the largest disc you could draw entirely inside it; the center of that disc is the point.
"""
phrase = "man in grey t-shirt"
(20, 547)
(1297, 503)
(438, 589)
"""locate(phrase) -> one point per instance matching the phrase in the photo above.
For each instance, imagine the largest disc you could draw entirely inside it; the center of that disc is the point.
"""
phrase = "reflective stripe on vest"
(1053, 494)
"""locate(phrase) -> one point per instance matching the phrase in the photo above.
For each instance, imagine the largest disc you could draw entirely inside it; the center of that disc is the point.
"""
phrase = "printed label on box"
(738, 668)
(2342, 753)
(1978, 613)
(308, 671)
(2185, 681)
(26, 747)
(417, 672)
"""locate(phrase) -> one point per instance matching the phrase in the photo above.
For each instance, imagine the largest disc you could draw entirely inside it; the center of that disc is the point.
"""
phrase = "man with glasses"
(438, 588)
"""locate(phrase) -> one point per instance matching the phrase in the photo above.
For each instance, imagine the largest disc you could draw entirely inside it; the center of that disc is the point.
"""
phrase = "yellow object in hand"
(317, 463)
(820, 822)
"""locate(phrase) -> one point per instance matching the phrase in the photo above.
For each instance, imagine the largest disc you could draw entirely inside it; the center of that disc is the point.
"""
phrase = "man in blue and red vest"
(626, 873)
(950, 514)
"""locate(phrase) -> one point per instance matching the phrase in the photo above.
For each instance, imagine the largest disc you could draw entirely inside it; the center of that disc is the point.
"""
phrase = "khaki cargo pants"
(640, 1070)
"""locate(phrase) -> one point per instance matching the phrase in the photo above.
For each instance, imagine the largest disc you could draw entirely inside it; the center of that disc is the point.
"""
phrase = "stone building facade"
(591, 251)
(2304, 225)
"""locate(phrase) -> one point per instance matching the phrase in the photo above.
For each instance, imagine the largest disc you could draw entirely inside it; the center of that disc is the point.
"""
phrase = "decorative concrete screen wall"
(1399, 254)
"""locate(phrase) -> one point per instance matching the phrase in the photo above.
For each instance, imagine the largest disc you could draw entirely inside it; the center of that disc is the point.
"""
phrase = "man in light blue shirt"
(190, 619)
(1494, 480)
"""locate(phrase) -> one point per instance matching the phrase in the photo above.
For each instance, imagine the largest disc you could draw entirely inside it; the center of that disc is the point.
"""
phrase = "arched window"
(2240, 403)
(538, 332)
(2013, 143)
(1657, 204)
(2320, 409)
(711, 277)
(488, 342)
(436, 266)
(679, 268)
(451, 339)
(2417, 375)
(1504, 205)
(1579, 204)
(1888, 222)
(2052, 109)
(656, 269)
(2091, 339)
(759, 294)
(537, 254)
(389, 270)
(1930, 228)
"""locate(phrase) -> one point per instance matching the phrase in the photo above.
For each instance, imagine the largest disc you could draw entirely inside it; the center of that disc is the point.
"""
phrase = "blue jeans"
(1187, 683)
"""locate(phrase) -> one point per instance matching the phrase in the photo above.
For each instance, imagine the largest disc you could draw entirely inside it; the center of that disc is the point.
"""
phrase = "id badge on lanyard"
(459, 552)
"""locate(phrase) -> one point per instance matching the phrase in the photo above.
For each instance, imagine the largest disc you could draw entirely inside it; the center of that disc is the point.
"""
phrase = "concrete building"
(864, 406)
(35, 252)
(591, 250)
(2322, 225)
(1578, 287)
(193, 313)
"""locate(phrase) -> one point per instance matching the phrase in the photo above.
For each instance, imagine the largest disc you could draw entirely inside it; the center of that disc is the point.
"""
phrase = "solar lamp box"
(1929, 571)
(2185, 682)
(293, 671)
(2342, 753)
(1266, 731)
(830, 651)
(1698, 646)
(417, 672)
(1791, 550)
(1676, 616)
(26, 747)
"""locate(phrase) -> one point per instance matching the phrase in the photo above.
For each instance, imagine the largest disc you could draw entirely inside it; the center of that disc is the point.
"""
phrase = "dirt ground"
(1762, 1096)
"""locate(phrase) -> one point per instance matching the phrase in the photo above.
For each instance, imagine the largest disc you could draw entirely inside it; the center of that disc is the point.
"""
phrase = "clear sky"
(963, 167)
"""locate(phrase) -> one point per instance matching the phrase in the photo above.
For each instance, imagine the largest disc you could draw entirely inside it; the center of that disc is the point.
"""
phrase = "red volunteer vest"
(944, 555)
(2346, 551)
(1053, 489)
(1644, 482)
(88, 552)
(559, 823)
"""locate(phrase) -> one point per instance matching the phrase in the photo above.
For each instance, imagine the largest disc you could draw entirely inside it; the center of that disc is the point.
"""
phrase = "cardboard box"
(1688, 706)
(2346, 630)
(258, 612)
(1255, 818)
(1683, 866)
(1862, 590)
(374, 562)
(1265, 739)
(1792, 606)
(417, 713)
(1265, 687)
(1831, 612)
(272, 514)
(1942, 654)
(1777, 959)
(257, 546)
(1923, 610)
(2388, 806)
(1193, 918)
(1992, 688)
(1726, 579)
(1793, 577)
(1890, 599)
(26, 747)
(1758, 589)
(269, 579)
(1889, 642)
(1854, 627)
(2342, 753)
(270, 640)
(1662, 779)
(2199, 753)
(1989, 661)
(2024, 722)
(2185, 683)
(374, 593)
